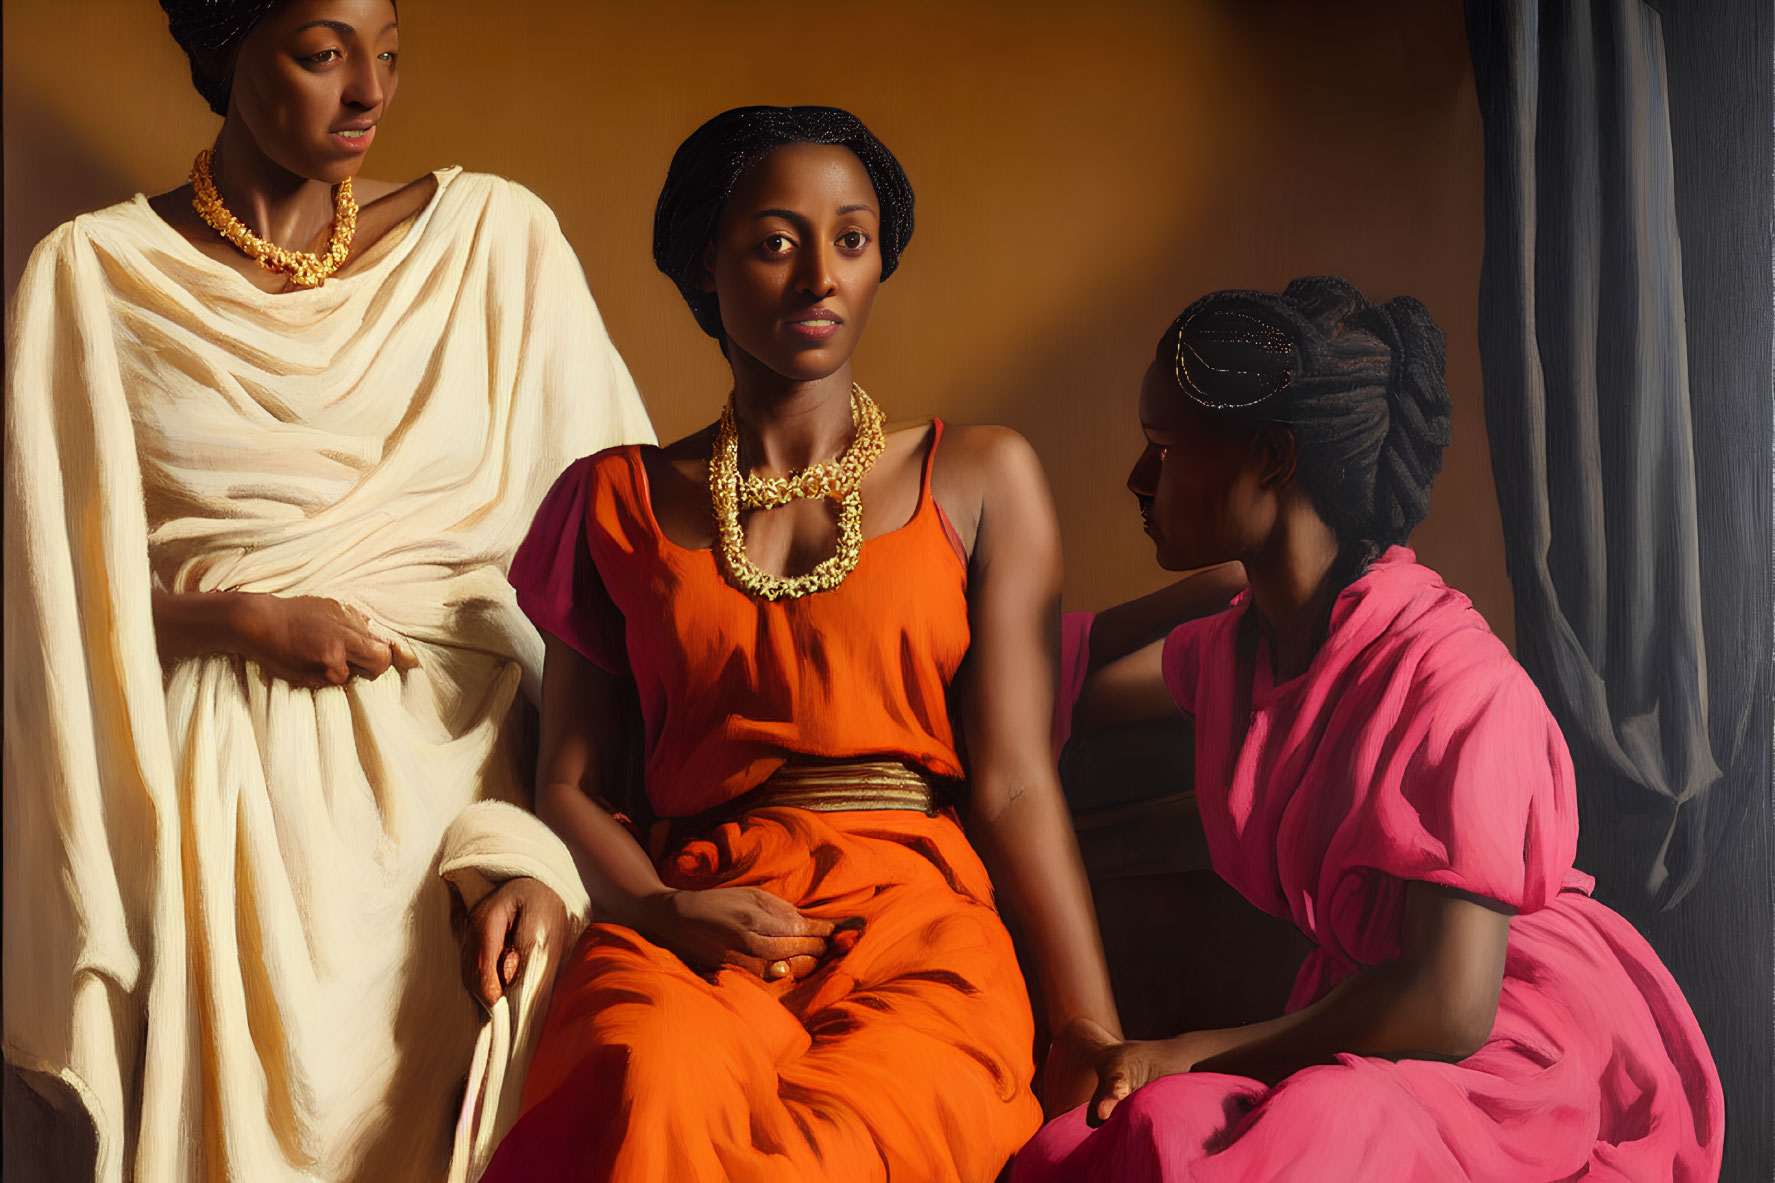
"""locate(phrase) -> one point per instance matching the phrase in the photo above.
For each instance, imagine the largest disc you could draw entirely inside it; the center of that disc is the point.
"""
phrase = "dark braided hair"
(710, 164)
(209, 27)
(1359, 385)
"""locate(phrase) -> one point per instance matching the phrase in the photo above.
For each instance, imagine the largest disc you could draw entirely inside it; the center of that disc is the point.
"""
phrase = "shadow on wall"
(51, 175)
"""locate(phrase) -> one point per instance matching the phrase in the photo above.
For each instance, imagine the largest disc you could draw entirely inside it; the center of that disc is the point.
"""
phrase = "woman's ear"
(1276, 455)
(705, 268)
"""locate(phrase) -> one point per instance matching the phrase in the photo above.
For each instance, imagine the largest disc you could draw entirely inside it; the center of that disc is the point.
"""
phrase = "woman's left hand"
(502, 929)
(1131, 1064)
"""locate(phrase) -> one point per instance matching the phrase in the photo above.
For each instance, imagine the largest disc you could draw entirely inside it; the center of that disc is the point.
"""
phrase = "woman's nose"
(364, 88)
(1142, 478)
(816, 278)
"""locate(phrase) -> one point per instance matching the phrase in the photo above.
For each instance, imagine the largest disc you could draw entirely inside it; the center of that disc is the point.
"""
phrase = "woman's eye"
(778, 244)
(321, 58)
(387, 57)
(853, 240)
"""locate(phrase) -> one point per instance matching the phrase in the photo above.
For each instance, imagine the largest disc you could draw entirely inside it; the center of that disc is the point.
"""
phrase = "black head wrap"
(209, 27)
(1359, 385)
(709, 165)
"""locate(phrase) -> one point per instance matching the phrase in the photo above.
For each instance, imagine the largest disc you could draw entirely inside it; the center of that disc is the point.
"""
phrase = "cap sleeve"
(557, 581)
(1473, 789)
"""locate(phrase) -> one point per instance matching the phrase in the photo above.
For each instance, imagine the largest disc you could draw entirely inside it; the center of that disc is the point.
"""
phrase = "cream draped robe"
(226, 928)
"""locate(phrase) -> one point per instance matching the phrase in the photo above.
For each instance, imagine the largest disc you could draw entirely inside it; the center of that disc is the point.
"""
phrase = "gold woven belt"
(830, 787)
(850, 784)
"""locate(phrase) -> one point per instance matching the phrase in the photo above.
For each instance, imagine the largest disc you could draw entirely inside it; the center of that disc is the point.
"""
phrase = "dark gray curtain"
(1625, 334)
(1636, 529)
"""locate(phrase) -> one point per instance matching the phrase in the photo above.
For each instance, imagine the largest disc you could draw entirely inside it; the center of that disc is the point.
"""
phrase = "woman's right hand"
(312, 642)
(746, 927)
(305, 640)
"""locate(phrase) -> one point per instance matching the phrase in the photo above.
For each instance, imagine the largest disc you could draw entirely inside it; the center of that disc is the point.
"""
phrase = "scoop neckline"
(927, 498)
(369, 263)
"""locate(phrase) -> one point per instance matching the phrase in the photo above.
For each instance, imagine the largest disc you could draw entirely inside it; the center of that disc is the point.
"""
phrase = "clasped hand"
(744, 927)
(740, 927)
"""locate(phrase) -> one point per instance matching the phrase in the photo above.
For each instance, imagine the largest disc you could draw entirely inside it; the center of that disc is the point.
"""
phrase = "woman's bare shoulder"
(986, 455)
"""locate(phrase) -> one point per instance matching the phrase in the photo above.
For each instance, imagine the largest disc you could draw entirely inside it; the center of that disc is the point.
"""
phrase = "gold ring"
(777, 969)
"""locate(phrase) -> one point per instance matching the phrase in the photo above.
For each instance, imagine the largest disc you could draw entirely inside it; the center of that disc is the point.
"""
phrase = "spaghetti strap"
(930, 458)
(925, 497)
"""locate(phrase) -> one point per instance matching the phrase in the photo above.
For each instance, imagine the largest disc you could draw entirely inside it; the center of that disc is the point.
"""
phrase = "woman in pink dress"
(1373, 765)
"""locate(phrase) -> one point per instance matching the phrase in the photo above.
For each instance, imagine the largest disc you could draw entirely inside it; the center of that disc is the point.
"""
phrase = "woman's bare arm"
(1126, 690)
(1436, 1001)
(1017, 815)
(1125, 682)
(581, 758)
(1127, 628)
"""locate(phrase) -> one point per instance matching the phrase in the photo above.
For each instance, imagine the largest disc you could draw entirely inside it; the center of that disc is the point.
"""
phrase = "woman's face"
(312, 80)
(1200, 485)
(795, 261)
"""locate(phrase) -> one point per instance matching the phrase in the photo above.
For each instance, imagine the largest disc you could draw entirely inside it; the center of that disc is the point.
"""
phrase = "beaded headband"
(1189, 365)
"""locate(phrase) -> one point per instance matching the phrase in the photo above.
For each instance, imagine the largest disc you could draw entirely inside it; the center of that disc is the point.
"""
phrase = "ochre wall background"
(1083, 171)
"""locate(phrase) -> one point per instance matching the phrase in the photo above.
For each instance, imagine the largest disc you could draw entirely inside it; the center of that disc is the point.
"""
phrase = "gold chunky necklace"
(832, 479)
(304, 269)
(841, 480)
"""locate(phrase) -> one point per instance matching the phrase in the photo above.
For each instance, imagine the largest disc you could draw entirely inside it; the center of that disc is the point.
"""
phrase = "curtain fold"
(1630, 614)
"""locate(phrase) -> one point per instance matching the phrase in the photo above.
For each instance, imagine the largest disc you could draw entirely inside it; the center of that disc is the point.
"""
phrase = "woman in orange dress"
(803, 975)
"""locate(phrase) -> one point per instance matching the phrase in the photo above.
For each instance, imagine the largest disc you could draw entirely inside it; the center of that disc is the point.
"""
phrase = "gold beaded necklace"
(304, 268)
(841, 480)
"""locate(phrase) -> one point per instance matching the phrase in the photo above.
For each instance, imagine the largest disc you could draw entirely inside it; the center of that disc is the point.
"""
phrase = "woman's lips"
(816, 326)
(354, 139)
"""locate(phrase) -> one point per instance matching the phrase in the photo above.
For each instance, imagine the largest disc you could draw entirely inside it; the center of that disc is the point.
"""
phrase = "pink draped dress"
(1413, 748)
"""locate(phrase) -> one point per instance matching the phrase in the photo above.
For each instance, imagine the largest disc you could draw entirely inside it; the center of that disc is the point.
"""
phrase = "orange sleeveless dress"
(906, 1056)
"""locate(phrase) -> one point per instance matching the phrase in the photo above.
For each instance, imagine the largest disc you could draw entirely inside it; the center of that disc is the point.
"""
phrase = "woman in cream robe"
(226, 930)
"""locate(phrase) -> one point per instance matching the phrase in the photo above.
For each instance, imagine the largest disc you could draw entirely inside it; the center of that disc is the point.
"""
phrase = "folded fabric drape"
(224, 923)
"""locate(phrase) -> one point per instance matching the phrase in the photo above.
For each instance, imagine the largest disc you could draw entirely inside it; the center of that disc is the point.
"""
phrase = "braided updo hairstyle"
(1359, 385)
(212, 26)
(710, 164)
